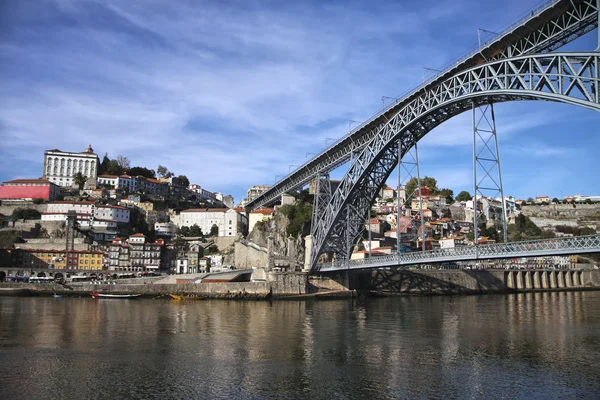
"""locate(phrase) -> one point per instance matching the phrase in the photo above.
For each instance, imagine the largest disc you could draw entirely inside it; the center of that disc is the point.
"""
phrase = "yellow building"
(89, 260)
(63, 259)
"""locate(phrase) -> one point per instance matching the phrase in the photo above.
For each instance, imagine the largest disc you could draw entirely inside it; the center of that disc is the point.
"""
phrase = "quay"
(342, 284)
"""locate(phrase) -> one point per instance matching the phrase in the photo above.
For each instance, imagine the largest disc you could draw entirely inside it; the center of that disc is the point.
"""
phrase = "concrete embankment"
(376, 282)
(279, 286)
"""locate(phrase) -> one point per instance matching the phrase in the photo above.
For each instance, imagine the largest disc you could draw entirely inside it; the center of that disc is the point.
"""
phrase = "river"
(542, 345)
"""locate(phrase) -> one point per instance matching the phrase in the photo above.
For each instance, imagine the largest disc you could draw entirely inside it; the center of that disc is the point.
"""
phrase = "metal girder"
(531, 248)
(549, 27)
(567, 77)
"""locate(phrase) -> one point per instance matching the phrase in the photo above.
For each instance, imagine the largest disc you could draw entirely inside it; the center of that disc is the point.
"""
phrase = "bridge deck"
(532, 248)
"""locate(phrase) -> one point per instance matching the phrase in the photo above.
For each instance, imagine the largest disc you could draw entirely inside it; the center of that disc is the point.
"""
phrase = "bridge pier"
(536, 280)
(510, 279)
(576, 281)
(561, 279)
(553, 284)
(520, 284)
(545, 280)
(568, 280)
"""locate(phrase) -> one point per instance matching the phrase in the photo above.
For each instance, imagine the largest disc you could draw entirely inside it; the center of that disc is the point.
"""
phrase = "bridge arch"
(571, 78)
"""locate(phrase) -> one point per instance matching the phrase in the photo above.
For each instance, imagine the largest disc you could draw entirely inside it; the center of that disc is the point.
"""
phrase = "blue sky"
(232, 93)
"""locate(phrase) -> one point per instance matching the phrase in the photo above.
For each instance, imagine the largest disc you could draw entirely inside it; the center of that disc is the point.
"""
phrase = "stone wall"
(50, 244)
(247, 257)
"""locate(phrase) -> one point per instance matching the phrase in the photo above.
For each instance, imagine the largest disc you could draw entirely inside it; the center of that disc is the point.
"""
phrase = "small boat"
(176, 296)
(57, 296)
(114, 296)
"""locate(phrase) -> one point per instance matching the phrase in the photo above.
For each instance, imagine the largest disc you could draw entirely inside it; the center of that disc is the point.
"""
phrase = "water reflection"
(523, 345)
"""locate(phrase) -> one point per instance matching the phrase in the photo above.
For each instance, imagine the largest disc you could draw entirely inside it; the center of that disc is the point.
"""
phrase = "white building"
(117, 213)
(165, 229)
(60, 167)
(228, 220)
(88, 214)
(205, 195)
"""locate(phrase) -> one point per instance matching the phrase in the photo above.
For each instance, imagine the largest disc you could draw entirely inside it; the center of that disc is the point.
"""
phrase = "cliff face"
(580, 215)
(276, 228)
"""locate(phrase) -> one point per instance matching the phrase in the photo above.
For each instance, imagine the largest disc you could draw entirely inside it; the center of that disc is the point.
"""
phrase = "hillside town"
(87, 216)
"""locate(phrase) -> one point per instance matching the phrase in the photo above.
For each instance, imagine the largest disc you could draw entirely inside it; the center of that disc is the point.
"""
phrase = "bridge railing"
(481, 252)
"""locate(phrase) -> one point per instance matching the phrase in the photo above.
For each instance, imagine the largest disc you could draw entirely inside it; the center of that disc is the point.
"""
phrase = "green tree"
(183, 180)
(26, 213)
(142, 171)
(428, 181)
(448, 194)
(463, 196)
(214, 230)
(163, 172)
(183, 231)
(299, 214)
(195, 231)
(555, 200)
(104, 165)
(79, 180)
(114, 168)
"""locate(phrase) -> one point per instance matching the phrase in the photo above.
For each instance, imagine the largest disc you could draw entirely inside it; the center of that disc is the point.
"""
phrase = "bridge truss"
(564, 77)
(545, 29)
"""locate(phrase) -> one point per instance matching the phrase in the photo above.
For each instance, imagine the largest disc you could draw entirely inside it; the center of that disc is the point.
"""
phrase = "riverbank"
(298, 286)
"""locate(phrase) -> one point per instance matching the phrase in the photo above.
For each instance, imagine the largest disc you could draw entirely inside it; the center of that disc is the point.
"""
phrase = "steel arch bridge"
(545, 29)
(571, 78)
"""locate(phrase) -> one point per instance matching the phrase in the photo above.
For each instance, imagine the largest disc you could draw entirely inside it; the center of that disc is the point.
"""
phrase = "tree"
(428, 181)
(79, 180)
(142, 171)
(195, 231)
(530, 200)
(104, 165)
(26, 213)
(114, 168)
(123, 162)
(183, 180)
(214, 230)
(463, 196)
(163, 172)
(555, 200)
(448, 194)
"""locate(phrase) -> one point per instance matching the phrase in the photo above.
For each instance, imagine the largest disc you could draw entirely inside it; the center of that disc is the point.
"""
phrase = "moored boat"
(114, 296)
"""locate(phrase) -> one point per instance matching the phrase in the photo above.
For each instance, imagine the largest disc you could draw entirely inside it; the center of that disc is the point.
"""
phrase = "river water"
(542, 345)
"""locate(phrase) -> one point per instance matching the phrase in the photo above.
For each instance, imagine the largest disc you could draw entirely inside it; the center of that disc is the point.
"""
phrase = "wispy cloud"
(229, 94)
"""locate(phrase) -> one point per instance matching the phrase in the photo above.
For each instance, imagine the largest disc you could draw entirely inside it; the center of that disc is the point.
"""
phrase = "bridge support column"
(568, 279)
(536, 280)
(410, 164)
(552, 279)
(510, 279)
(576, 282)
(519, 277)
(528, 280)
(561, 279)
(486, 157)
(545, 280)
